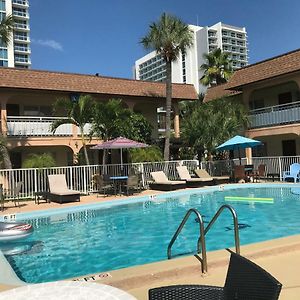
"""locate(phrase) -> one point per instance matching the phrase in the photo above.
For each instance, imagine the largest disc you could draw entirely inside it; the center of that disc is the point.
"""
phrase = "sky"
(103, 36)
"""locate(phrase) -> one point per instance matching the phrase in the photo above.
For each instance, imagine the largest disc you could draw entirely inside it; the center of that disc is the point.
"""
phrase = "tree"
(112, 120)
(217, 69)
(6, 29)
(168, 37)
(209, 124)
(79, 113)
(44, 160)
(149, 154)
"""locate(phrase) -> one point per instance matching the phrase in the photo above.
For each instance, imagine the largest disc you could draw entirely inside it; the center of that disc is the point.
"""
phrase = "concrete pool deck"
(280, 257)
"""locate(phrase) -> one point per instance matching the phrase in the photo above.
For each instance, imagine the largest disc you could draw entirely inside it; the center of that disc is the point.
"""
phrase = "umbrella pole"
(121, 159)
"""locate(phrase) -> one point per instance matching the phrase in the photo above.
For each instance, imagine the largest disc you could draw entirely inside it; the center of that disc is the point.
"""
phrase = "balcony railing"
(275, 115)
(35, 127)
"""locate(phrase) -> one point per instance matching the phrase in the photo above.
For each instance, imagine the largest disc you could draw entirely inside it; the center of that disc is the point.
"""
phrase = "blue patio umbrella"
(238, 142)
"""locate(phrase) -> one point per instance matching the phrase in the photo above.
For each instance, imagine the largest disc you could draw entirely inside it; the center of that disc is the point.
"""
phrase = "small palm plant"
(79, 113)
(217, 69)
(168, 37)
(6, 28)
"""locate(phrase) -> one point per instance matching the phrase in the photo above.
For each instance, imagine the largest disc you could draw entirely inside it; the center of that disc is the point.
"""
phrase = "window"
(285, 98)
(232, 34)
(233, 49)
(3, 63)
(2, 5)
(3, 53)
(257, 104)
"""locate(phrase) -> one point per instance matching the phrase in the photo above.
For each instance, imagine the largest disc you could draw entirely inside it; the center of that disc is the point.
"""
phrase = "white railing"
(35, 126)
(80, 177)
(275, 165)
(275, 115)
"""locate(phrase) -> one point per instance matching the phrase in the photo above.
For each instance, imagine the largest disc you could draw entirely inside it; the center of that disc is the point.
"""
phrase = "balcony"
(20, 3)
(22, 27)
(275, 115)
(35, 127)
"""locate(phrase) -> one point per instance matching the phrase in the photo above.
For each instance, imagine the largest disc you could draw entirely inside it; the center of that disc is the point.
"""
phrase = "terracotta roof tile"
(273, 67)
(69, 82)
(218, 92)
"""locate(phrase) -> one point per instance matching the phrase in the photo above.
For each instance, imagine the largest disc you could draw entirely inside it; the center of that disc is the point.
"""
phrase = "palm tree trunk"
(84, 147)
(168, 109)
(4, 153)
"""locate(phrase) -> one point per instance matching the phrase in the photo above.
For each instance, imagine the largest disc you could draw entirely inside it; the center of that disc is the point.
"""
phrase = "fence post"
(280, 168)
(84, 179)
(143, 174)
(71, 177)
(35, 181)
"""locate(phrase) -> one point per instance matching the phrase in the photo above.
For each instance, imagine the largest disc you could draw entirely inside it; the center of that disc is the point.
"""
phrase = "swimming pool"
(109, 237)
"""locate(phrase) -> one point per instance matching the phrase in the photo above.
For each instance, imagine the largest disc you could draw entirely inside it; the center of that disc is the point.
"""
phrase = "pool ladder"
(201, 245)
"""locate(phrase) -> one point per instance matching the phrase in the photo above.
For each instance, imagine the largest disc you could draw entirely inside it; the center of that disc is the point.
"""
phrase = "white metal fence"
(80, 177)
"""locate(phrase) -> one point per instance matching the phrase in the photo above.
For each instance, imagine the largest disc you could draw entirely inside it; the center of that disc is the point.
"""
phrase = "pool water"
(93, 241)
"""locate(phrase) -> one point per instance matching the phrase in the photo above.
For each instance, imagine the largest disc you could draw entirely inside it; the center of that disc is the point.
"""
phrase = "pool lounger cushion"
(162, 183)
(59, 191)
(193, 182)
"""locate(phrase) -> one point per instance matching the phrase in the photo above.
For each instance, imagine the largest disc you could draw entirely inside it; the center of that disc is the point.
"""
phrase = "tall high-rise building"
(17, 53)
(186, 69)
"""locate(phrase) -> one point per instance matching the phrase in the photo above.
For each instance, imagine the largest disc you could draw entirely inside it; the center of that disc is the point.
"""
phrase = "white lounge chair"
(59, 191)
(162, 183)
(184, 174)
(201, 173)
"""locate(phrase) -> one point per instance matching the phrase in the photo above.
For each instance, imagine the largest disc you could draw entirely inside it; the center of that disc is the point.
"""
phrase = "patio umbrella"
(120, 143)
(238, 142)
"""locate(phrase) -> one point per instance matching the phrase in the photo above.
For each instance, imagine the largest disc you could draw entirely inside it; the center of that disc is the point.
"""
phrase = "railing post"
(84, 179)
(71, 177)
(35, 181)
(280, 168)
(143, 174)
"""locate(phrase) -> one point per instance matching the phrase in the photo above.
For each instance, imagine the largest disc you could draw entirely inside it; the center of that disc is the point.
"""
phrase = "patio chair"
(260, 173)
(201, 173)
(59, 191)
(239, 173)
(293, 173)
(132, 184)
(184, 174)
(102, 185)
(162, 183)
(12, 194)
(244, 280)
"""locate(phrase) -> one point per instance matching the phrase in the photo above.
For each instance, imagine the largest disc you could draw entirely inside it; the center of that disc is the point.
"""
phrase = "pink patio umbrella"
(120, 143)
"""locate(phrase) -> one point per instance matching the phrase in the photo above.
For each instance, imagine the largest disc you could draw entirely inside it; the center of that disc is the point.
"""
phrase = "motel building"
(27, 97)
(270, 90)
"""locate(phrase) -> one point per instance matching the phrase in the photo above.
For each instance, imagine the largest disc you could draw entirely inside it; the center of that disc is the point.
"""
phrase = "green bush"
(150, 154)
(44, 160)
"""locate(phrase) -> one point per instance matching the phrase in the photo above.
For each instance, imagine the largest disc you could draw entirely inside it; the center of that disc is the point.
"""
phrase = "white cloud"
(48, 43)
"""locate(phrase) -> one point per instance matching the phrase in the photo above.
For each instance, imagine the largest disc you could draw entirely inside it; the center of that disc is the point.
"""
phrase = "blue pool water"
(93, 241)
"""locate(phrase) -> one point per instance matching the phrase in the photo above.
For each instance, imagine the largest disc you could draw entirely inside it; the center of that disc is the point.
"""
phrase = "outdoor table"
(118, 181)
(66, 290)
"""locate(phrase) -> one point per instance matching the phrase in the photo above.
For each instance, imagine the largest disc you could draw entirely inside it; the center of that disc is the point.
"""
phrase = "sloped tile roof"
(219, 91)
(273, 67)
(70, 82)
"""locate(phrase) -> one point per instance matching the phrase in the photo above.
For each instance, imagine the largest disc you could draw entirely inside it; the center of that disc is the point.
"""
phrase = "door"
(13, 109)
(285, 98)
(289, 148)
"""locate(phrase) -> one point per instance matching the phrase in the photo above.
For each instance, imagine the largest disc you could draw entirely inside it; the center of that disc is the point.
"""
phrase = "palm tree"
(6, 28)
(207, 125)
(168, 37)
(217, 69)
(79, 113)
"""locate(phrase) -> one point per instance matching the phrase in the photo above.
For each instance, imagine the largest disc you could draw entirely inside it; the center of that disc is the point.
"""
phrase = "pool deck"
(280, 257)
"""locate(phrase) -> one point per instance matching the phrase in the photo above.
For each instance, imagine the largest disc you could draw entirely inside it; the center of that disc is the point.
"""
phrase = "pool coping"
(8, 275)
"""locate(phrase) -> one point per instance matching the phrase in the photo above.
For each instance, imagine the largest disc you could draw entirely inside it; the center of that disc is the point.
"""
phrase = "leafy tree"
(217, 69)
(209, 124)
(79, 113)
(168, 37)
(4, 155)
(44, 160)
(6, 29)
(150, 154)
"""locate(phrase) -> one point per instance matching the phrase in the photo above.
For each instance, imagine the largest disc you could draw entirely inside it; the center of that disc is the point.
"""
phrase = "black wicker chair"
(245, 281)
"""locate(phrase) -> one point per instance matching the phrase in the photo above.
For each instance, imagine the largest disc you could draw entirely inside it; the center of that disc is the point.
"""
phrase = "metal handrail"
(203, 232)
(235, 223)
(201, 240)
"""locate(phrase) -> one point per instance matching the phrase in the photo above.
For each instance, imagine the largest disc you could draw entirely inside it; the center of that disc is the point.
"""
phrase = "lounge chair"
(244, 280)
(59, 191)
(201, 173)
(162, 183)
(184, 174)
(293, 173)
